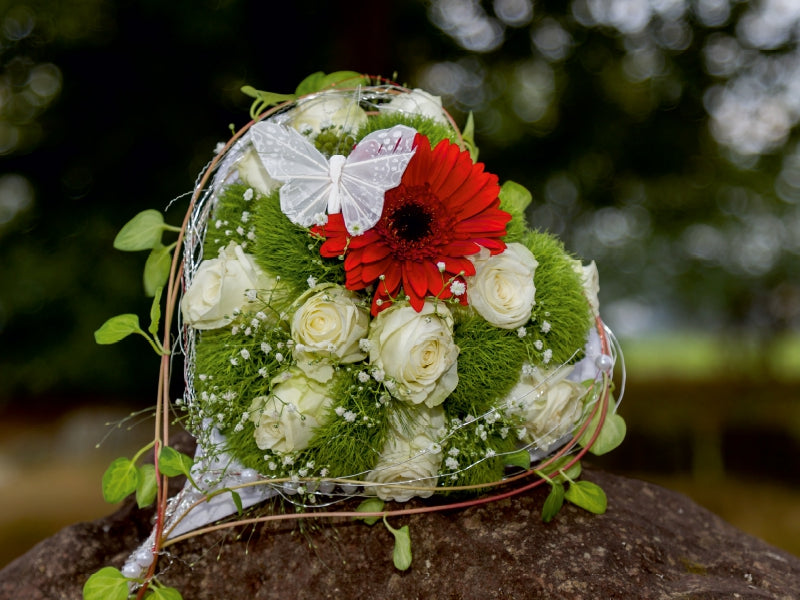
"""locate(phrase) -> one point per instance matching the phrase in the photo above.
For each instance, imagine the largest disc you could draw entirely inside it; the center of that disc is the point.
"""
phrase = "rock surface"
(651, 543)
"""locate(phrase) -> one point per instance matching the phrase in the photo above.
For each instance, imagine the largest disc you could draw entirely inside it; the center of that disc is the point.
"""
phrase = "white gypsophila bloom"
(417, 351)
(285, 419)
(221, 288)
(417, 102)
(548, 404)
(311, 115)
(411, 456)
(327, 330)
(502, 290)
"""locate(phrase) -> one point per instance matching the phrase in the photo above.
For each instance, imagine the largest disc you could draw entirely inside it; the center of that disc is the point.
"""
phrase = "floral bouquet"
(364, 311)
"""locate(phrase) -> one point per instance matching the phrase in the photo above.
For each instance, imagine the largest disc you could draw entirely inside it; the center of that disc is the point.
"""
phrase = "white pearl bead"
(349, 488)
(604, 362)
(131, 570)
(326, 487)
(248, 475)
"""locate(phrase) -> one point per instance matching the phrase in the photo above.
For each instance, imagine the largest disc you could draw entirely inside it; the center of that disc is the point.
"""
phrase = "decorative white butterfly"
(353, 185)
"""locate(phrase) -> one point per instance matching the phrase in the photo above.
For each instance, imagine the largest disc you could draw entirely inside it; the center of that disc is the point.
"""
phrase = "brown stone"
(651, 543)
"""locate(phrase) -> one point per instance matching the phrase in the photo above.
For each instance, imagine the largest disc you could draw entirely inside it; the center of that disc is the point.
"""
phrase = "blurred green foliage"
(624, 123)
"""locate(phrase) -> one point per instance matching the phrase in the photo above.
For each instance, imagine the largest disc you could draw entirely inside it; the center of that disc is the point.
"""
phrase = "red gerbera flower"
(445, 208)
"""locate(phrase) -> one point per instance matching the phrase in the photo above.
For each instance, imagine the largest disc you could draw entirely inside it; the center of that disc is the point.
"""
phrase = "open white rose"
(417, 102)
(502, 290)
(416, 350)
(327, 329)
(549, 404)
(411, 456)
(285, 420)
(222, 286)
(328, 110)
(254, 174)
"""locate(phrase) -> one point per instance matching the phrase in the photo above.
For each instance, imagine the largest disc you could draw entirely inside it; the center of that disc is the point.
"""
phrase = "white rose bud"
(591, 285)
(418, 102)
(253, 172)
(502, 290)
(327, 110)
(220, 286)
(411, 456)
(416, 349)
(328, 328)
(285, 420)
(549, 404)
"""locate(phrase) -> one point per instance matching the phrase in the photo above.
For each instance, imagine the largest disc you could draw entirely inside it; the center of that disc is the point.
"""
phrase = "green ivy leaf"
(172, 463)
(107, 584)
(401, 555)
(514, 198)
(142, 232)
(553, 503)
(155, 312)
(117, 328)
(520, 459)
(163, 593)
(319, 81)
(573, 472)
(119, 480)
(611, 435)
(156, 269)
(237, 500)
(370, 505)
(468, 135)
(589, 496)
(147, 486)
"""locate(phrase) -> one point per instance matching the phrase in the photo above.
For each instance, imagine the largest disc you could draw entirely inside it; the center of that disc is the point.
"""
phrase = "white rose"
(502, 289)
(547, 402)
(254, 174)
(418, 102)
(327, 329)
(285, 420)
(221, 286)
(411, 456)
(591, 284)
(327, 110)
(416, 350)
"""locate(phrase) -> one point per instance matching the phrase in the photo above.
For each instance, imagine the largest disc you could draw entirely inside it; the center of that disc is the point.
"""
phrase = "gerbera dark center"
(412, 222)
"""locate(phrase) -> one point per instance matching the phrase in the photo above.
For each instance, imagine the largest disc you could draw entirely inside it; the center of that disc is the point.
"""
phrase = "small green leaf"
(370, 505)
(119, 480)
(107, 584)
(117, 328)
(162, 592)
(172, 463)
(155, 312)
(573, 472)
(401, 555)
(343, 79)
(553, 503)
(468, 135)
(520, 459)
(156, 269)
(142, 232)
(237, 500)
(514, 198)
(611, 435)
(589, 496)
(319, 81)
(147, 486)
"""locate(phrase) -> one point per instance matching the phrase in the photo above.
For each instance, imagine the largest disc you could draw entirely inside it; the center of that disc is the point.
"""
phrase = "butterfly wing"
(375, 165)
(290, 158)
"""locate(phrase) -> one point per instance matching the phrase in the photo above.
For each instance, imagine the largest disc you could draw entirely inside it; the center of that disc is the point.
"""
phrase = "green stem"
(138, 455)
